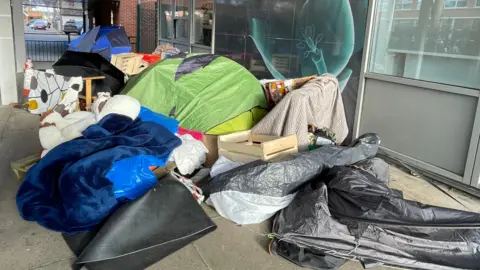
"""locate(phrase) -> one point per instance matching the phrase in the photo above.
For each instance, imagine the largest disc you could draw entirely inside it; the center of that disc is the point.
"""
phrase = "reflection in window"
(403, 4)
(203, 22)
(181, 8)
(432, 47)
(181, 28)
(455, 3)
(383, 5)
(166, 20)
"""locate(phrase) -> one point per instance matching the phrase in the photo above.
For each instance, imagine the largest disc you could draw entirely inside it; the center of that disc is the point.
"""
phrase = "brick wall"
(128, 18)
(148, 23)
(148, 26)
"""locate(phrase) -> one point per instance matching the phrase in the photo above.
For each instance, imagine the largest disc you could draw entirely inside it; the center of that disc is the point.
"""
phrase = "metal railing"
(45, 51)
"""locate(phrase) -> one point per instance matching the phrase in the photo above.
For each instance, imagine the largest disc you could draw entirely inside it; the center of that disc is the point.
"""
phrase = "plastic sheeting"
(144, 231)
(253, 192)
(350, 213)
(356, 195)
(132, 177)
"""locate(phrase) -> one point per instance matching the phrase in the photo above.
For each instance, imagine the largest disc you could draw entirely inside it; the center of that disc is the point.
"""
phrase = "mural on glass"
(295, 38)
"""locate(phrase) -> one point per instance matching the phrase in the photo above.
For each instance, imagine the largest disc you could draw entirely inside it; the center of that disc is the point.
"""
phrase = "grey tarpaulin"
(401, 233)
(253, 192)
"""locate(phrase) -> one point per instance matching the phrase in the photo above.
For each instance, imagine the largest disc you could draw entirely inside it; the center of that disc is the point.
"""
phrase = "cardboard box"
(129, 63)
(246, 146)
(164, 170)
(211, 142)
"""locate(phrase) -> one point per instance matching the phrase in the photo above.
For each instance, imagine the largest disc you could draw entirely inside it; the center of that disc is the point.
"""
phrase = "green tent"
(207, 93)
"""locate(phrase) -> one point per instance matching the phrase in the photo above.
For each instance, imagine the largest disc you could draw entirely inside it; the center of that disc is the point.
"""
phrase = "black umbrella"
(81, 64)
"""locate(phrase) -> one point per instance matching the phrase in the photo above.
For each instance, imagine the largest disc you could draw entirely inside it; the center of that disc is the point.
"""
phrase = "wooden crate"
(245, 146)
(129, 63)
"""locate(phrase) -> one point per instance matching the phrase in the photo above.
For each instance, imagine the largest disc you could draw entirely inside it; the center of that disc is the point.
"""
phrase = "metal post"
(138, 25)
(84, 17)
(364, 67)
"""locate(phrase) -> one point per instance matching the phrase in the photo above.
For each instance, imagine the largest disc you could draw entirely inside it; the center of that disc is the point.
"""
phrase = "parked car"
(39, 25)
(29, 23)
(73, 27)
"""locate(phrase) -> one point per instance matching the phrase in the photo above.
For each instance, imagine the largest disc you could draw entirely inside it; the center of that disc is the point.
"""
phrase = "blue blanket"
(68, 191)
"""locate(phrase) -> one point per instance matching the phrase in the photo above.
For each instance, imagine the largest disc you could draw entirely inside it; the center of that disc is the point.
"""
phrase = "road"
(46, 35)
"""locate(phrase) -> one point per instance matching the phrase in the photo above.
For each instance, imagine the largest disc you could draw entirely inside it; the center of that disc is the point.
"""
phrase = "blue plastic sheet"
(148, 115)
(132, 177)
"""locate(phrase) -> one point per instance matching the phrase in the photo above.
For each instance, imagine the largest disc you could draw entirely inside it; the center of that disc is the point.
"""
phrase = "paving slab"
(64, 264)
(5, 113)
(471, 202)
(417, 189)
(210, 211)
(25, 244)
(187, 258)
(8, 183)
(235, 247)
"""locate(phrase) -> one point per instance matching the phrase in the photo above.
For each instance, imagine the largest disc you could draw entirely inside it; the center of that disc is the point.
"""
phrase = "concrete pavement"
(25, 245)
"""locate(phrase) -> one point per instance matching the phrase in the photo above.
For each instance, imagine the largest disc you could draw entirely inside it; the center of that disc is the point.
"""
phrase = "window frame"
(456, 4)
(190, 23)
(402, 5)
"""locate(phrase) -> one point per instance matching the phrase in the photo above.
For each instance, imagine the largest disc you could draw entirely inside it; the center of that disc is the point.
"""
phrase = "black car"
(73, 27)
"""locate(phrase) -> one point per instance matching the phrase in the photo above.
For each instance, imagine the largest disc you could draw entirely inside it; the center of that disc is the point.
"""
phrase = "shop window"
(444, 51)
(203, 22)
(166, 19)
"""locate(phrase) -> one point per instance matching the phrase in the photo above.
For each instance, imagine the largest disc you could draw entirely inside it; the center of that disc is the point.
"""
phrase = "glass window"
(383, 5)
(181, 8)
(403, 4)
(181, 28)
(181, 21)
(444, 50)
(478, 3)
(166, 19)
(455, 3)
(419, 4)
(203, 22)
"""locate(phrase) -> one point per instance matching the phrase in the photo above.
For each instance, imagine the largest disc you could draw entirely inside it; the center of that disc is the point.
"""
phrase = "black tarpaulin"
(144, 231)
(347, 212)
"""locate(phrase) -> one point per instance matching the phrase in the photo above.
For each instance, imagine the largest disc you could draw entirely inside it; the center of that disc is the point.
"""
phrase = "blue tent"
(104, 40)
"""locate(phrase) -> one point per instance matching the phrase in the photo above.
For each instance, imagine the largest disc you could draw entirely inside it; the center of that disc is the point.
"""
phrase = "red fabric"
(197, 135)
(150, 58)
